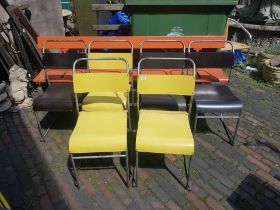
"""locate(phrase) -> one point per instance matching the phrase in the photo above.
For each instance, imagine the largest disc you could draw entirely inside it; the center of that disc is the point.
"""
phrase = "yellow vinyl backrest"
(166, 84)
(110, 64)
(100, 82)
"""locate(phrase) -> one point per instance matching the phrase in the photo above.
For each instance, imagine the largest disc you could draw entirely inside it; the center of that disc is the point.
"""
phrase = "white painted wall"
(46, 15)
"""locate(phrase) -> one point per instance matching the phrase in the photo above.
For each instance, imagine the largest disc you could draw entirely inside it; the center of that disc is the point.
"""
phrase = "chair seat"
(164, 132)
(210, 98)
(164, 102)
(116, 101)
(57, 97)
(104, 131)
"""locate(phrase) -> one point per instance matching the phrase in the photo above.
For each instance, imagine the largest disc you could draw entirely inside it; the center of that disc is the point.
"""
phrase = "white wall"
(46, 15)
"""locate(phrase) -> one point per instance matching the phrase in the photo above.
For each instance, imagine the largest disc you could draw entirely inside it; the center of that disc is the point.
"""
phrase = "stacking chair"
(166, 102)
(102, 131)
(58, 96)
(3, 203)
(108, 100)
(215, 99)
(161, 131)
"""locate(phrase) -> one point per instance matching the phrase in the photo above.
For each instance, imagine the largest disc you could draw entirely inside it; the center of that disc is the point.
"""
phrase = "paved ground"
(245, 176)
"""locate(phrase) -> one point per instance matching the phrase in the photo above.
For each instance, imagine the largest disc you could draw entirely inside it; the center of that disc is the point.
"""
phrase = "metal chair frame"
(247, 33)
(72, 156)
(181, 108)
(115, 41)
(44, 134)
(187, 166)
(221, 116)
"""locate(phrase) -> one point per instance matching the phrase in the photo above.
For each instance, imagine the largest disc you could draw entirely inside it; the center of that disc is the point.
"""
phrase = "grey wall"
(46, 15)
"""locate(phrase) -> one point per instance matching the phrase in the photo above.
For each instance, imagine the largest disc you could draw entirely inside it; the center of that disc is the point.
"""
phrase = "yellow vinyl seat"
(98, 133)
(161, 131)
(104, 131)
(165, 132)
(105, 101)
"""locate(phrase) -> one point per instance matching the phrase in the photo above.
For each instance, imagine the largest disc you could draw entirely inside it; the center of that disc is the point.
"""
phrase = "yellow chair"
(3, 202)
(165, 132)
(109, 100)
(100, 131)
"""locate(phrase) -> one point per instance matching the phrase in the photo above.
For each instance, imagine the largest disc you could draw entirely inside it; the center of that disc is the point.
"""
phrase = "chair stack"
(161, 131)
(101, 129)
(58, 96)
(215, 100)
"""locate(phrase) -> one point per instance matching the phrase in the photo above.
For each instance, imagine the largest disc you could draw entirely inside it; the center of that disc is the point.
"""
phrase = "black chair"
(215, 99)
(163, 102)
(57, 97)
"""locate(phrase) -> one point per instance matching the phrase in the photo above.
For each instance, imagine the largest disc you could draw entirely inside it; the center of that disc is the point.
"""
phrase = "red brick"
(172, 205)
(110, 196)
(242, 135)
(45, 203)
(204, 143)
(258, 163)
(269, 178)
(196, 201)
(172, 158)
(251, 152)
(254, 121)
(69, 195)
(85, 184)
(157, 205)
(269, 156)
(212, 203)
(271, 164)
(243, 169)
(143, 175)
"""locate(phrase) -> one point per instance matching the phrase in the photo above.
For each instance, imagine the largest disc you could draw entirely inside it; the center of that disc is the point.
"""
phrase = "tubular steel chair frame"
(104, 41)
(207, 41)
(43, 135)
(115, 41)
(72, 156)
(220, 116)
(170, 102)
(157, 40)
(187, 166)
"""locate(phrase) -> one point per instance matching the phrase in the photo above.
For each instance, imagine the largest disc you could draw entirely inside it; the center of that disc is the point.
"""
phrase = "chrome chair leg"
(195, 123)
(39, 126)
(188, 171)
(75, 172)
(127, 169)
(236, 128)
(43, 135)
(135, 175)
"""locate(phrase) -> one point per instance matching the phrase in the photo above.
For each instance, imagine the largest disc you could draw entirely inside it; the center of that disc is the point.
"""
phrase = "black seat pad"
(212, 59)
(164, 102)
(163, 64)
(63, 60)
(215, 98)
(58, 97)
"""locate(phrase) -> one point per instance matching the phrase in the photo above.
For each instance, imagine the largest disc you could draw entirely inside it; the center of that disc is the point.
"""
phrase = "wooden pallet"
(108, 7)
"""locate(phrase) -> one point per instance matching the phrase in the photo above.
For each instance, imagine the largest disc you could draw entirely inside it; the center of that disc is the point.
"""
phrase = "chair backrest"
(113, 65)
(164, 64)
(62, 60)
(165, 84)
(212, 59)
(100, 82)
(53, 40)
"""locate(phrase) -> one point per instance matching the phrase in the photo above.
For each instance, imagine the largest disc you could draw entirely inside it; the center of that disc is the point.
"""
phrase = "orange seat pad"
(204, 75)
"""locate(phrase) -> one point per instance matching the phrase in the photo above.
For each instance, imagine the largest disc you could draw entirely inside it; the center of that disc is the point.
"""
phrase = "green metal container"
(179, 17)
